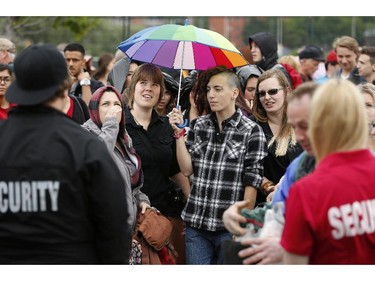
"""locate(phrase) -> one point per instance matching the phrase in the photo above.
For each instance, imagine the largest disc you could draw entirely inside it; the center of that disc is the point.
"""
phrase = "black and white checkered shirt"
(224, 163)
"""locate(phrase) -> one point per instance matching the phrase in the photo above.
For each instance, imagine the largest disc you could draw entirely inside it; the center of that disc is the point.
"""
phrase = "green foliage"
(78, 26)
(321, 31)
(27, 30)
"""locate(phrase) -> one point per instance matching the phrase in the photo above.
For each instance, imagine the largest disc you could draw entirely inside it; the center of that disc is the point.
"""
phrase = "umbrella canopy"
(182, 47)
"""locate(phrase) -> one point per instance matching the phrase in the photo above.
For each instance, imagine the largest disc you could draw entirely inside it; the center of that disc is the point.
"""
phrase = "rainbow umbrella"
(183, 47)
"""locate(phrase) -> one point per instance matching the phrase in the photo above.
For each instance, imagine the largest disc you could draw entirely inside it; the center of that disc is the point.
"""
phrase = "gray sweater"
(108, 133)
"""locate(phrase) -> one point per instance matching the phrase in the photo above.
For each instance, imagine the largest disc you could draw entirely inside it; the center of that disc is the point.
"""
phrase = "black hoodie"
(267, 44)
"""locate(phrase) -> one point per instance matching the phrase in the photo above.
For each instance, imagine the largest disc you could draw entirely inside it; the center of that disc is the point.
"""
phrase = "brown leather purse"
(155, 228)
(153, 231)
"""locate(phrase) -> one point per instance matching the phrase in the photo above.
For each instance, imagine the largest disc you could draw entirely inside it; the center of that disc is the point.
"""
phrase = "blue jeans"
(204, 247)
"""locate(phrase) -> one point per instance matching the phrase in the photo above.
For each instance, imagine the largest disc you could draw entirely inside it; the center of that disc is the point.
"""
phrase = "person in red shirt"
(330, 213)
(5, 81)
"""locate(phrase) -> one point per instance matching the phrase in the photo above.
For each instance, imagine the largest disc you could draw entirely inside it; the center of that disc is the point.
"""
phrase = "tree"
(26, 30)
(321, 31)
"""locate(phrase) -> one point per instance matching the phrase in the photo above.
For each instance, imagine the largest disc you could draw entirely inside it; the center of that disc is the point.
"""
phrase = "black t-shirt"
(160, 163)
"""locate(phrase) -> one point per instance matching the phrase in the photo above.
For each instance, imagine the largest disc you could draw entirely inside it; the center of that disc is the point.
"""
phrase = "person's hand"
(262, 251)
(143, 206)
(270, 196)
(272, 193)
(83, 75)
(232, 218)
(114, 111)
(175, 117)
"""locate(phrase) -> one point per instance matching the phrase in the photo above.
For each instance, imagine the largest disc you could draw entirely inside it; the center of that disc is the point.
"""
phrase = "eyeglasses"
(271, 92)
(5, 79)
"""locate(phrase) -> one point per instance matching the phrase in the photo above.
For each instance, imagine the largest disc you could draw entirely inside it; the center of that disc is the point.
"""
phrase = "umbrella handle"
(186, 121)
(182, 125)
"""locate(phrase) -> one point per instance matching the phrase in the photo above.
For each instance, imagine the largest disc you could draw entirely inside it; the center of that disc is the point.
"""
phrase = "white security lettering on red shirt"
(352, 219)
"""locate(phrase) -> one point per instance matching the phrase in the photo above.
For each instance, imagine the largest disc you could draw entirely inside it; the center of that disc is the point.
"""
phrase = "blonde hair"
(286, 136)
(338, 119)
(367, 88)
(346, 42)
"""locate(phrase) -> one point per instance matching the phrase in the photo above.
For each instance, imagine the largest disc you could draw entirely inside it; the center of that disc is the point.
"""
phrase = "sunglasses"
(271, 92)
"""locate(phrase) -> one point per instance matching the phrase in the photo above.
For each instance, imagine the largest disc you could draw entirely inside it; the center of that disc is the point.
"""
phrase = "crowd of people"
(98, 148)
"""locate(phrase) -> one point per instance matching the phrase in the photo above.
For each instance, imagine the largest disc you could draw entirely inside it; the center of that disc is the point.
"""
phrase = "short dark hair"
(75, 47)
(144, 72)
(370, 51)
(200, 88)
(6, 67)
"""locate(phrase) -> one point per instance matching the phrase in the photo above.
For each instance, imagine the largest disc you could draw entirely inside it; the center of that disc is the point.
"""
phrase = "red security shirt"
(330, 214)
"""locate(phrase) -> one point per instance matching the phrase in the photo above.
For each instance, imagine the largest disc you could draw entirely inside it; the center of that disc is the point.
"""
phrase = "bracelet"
(179, 134)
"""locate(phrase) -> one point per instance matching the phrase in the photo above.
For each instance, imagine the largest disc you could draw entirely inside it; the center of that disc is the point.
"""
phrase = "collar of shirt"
(232, 121)
(130, 119)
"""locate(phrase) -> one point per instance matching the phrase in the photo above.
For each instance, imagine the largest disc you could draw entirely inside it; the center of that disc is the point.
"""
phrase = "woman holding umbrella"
(153, 140)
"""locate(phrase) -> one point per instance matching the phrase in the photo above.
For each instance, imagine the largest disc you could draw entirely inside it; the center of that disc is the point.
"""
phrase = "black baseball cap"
(311, 52)
(40, 70)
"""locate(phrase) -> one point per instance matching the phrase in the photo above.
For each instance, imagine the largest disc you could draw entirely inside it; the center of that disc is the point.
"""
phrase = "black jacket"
(354, 76)
(80, 110)
(62, 199)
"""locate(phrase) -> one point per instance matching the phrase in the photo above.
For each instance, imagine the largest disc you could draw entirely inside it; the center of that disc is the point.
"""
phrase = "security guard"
(62, 199)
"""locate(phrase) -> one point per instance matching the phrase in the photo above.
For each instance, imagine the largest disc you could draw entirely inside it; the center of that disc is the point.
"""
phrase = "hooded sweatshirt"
(129, 164)
(267, 44)
(244, 74)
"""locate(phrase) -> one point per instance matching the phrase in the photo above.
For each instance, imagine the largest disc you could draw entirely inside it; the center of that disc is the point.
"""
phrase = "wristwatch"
(85, 82)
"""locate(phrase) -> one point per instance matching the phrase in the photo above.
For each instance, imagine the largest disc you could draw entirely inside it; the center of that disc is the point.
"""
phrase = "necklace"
(136, 121)
(144, 125)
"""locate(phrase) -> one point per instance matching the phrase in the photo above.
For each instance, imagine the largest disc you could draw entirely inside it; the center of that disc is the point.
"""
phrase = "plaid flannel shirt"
(224, 163)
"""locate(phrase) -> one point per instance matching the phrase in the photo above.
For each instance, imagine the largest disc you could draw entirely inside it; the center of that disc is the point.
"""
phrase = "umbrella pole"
(179, 89)
(179, 86)
(181, 67)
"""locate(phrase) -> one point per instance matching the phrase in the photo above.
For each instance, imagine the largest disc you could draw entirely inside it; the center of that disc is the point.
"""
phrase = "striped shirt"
(224, 163)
